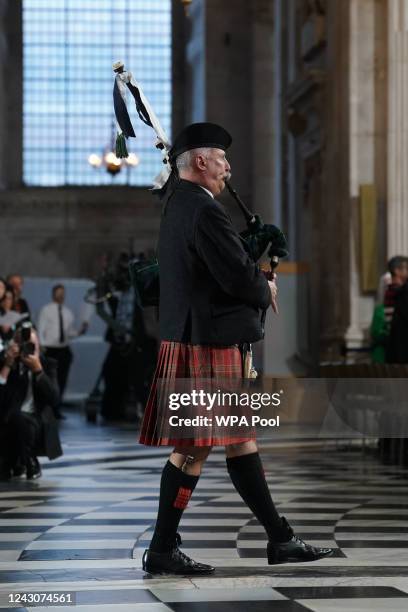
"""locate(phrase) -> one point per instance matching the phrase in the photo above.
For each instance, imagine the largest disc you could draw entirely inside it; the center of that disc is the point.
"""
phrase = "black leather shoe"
(173, 562)
(294, 549)
(33, 468)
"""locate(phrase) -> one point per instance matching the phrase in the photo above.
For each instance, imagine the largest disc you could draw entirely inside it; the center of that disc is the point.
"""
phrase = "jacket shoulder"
(199, 197)
(211, 215)
(185, 207)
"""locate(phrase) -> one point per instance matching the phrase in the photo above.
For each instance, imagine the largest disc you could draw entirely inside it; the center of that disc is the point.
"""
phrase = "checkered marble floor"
(84, 525)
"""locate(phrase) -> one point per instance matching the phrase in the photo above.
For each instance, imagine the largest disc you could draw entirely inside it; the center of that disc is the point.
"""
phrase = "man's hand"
(274, 293)
(12, 353)
(32, 362)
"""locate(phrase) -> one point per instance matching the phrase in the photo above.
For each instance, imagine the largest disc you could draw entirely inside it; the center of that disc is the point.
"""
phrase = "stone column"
(195, 83)
(397, 200)
(367, 144)
(11, 98)
(218, 82)
(263, 75)
(361, 151)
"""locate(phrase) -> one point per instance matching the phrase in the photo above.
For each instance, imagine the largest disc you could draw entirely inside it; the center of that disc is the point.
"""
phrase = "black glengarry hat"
(199, 135)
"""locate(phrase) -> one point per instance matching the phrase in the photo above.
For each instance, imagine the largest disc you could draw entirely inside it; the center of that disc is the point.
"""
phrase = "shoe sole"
(164, 573)
(297, 560)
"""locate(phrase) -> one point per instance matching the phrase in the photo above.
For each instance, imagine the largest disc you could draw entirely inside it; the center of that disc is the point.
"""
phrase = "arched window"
(69, 48)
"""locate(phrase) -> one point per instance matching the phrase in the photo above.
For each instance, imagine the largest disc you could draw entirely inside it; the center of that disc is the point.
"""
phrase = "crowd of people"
(35, 358)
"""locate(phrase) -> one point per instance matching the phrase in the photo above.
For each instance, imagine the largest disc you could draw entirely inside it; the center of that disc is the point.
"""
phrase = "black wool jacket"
(211, 292)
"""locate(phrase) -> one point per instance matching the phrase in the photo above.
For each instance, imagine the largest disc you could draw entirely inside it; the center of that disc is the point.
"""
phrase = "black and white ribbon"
(124, 81)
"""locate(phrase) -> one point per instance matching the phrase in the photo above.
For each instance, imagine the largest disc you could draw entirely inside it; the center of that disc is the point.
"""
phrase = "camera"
(26, 346)
(22, 336)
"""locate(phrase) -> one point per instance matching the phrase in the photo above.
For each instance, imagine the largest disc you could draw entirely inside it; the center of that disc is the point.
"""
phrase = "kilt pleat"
(178, 360)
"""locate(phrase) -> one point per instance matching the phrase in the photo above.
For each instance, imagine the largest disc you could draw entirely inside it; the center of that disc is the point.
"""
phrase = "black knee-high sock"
(248, 477)
(176, 488)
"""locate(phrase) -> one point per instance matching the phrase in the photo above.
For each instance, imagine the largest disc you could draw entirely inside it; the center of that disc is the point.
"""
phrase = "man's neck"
(192, 178)
(207, 190)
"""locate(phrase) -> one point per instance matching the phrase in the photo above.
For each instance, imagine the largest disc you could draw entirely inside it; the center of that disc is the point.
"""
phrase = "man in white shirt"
(56, 329)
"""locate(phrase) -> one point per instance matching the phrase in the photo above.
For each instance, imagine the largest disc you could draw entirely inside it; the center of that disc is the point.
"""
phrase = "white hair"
(185, 160)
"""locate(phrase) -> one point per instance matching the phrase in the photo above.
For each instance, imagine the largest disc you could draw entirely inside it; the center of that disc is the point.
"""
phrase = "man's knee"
(234, 447)
(196, 453)
(190, 459)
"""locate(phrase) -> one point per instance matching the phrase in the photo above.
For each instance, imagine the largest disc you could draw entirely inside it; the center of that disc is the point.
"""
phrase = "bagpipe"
(258, 237)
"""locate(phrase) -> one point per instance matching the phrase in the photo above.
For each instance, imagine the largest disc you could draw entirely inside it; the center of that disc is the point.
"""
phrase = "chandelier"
(186, 4)
(108, 159)
(111, 163)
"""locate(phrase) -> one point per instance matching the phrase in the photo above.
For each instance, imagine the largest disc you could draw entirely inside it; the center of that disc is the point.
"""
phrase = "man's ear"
(201, 162)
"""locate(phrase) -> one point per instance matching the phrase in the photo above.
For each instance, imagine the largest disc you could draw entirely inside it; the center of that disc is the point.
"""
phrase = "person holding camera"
(28, 392)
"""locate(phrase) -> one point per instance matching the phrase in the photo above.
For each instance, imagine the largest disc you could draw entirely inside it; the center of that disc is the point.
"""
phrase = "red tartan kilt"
(177, 360)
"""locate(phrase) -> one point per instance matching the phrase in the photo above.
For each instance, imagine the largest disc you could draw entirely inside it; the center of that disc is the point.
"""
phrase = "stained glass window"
(69, 48)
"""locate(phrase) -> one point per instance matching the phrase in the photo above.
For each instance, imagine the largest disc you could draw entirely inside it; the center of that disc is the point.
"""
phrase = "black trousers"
(125, 370)
(63, 356)
(19, 438)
